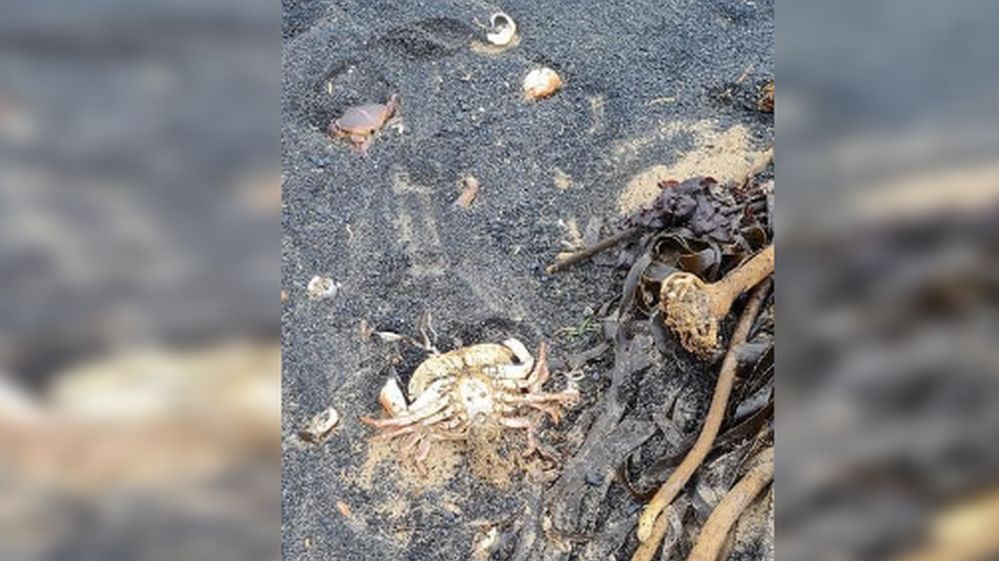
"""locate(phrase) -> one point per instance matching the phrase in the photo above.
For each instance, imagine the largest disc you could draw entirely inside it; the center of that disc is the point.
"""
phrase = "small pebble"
(595, 479)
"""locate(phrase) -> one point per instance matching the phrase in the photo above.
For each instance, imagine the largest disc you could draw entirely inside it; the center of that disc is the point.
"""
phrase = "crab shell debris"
(360, 123)
(541, 83)
(451, 393)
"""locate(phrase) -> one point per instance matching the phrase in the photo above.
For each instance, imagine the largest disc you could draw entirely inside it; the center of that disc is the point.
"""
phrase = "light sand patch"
(722, 154)
(573, 240)
(485, 458)
(383, 463)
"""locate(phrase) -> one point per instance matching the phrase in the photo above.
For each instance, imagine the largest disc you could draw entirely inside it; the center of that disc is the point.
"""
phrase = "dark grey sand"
(384, 227)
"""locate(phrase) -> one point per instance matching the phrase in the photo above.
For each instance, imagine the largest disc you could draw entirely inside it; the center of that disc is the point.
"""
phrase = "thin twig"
(759, 165)
(745, 73)
(716, 529)
(651, 530)
(594, 249)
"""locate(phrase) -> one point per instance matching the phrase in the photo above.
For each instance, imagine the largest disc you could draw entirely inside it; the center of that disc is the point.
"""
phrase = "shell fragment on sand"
(320, 426)
(320, 288)
(504, 29)
(541, 83)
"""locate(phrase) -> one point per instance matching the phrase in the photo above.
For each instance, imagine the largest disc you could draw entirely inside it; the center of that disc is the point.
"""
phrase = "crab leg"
(535, 377)
(410, 424)
(540, 374)
(410, 418)
(531, 398)
(422, 443)
(434, 394)
(543, 402)
(554, 412)
(409, 445)
(430, 402)
(454, 430)
(518, 371)
(421, 457)
(530, 425)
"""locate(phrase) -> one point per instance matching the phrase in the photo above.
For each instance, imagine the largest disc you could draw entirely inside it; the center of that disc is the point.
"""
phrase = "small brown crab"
(452, 393)
(361, 122)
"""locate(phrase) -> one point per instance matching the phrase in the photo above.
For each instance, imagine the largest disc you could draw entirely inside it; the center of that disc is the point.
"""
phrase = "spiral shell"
(504, 29)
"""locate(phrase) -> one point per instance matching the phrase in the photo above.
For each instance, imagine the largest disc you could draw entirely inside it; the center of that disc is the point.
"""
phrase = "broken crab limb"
(693, 309)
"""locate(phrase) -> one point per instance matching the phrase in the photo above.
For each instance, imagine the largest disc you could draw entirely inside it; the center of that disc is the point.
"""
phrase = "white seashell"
(320, 425)
(504, 29)
(541, 83)
(321, 287)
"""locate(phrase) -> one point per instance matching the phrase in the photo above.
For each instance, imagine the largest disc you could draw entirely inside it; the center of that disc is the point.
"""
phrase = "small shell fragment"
(321, 288)
(320, 426)
(503, 31)
(469, 193)
(344, 509)
(541, 83)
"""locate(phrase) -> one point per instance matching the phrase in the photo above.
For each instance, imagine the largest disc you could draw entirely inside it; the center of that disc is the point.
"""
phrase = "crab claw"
(519, 350)
(516, 371)
(391, 397)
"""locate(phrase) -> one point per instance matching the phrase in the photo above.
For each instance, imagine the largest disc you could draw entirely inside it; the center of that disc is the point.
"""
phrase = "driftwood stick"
(651, 526)
(586, 253)
(716, 529)
(759, 165)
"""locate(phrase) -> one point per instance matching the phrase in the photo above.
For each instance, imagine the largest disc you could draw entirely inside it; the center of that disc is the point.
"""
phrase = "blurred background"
(139, 263)
(888, 280)
(139, 259)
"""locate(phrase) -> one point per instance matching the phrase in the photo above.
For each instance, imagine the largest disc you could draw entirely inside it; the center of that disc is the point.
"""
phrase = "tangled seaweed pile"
(650, 414)
(698, 226)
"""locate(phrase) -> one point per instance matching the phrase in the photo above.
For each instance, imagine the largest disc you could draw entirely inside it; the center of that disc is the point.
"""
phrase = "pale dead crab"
(454, 392)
